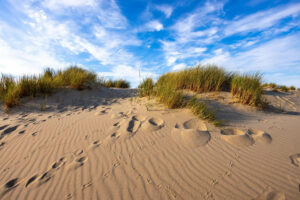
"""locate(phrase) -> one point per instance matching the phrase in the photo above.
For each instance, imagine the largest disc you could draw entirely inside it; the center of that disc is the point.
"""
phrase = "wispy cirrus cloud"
(166, 9)
(59, 4)
(278, 56)
(111, 35)
(262, 20)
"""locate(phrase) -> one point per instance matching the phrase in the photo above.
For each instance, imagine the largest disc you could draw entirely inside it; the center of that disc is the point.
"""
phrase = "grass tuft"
(120, 83)
(248, 89)
(146, 87)
(292, 88)
(11, 90)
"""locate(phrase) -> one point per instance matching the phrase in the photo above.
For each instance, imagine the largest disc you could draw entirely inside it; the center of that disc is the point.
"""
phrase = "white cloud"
(46, 41)
(191, 34)
(58, 4)
(110, 15)
(29, 60)
(179, 66)
(171, 60)
(262, 20)
(154, 25)
(166, 9)
(280, 55)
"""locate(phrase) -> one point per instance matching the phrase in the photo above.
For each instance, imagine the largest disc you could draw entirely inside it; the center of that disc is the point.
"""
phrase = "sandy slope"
(103, 144)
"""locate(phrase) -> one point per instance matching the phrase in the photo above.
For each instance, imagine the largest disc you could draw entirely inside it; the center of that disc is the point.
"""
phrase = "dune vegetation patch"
(247, 88)
(120, 83)
(12, 89)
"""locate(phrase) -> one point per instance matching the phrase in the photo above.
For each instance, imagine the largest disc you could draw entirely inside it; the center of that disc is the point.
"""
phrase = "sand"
(109, 144)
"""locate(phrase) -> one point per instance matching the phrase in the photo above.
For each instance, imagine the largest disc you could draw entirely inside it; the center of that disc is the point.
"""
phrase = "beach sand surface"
(110, 144)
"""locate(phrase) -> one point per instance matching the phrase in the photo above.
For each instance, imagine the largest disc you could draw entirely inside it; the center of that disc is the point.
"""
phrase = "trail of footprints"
(73, 162)
(247, 137)
(193, 133)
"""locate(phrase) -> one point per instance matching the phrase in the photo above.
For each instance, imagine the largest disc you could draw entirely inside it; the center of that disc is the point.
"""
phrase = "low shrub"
(292, 88)
(283, 88)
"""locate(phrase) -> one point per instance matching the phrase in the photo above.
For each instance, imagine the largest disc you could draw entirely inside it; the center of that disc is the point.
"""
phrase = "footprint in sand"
(9, 130)
(270, 194)
(78, 162)
(237, 137)
(95, 144)
(245, 138)
(119, 115)
(128, 127)
(103, 110)
(31, 180)
(9, 186)
(295, 159)
(153, 124)
(192, 132)
(3, 127)
(260, 136)
(46, 176)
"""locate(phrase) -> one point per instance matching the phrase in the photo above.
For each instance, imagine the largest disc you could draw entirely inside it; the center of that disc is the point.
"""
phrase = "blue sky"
(119, 38)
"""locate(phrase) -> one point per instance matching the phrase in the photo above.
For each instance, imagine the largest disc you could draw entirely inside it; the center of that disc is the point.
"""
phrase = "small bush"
(272, 85)
(292, 88)
(146, 87)
(283, 88)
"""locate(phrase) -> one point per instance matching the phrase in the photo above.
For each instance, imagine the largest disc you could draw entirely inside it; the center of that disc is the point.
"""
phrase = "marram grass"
(11, 90)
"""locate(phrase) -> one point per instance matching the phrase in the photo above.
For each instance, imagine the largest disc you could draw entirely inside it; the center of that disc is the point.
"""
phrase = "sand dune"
(108, 144)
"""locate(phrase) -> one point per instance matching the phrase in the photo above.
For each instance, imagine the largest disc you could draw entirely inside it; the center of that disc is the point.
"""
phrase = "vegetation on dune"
(166, 90)
(146, 87)
(276, 88)
(120, 83)
(11, 90)
(199, 79)
(201, 110)
(73, 77)
(292, 88)
(248, 89)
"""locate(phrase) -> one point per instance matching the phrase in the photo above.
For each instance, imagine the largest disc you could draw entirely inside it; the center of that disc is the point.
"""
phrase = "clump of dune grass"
(248, 89)
(201, 110)
(146, 87)
(199, 79)
(292, 88)
(74, 77)
(11, 90)
(270, 85)
(120, 83)
(283, 88)
(167, 93)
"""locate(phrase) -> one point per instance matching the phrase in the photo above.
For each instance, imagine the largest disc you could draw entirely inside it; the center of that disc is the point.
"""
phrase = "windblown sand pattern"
(108, 144)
